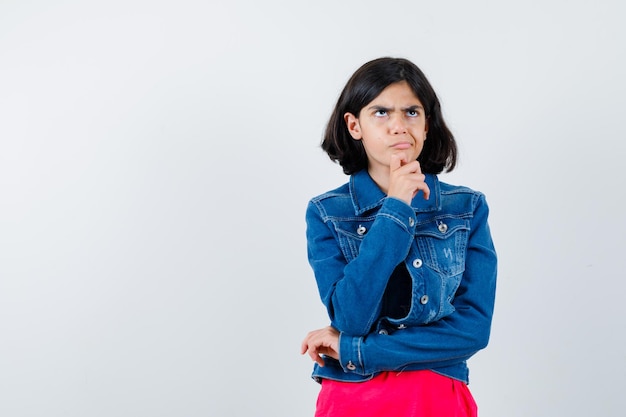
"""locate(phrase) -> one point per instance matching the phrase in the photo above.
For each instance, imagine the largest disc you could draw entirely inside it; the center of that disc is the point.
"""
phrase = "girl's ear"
(352, 122)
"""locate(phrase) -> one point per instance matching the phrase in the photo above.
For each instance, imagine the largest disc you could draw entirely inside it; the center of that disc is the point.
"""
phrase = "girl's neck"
(380, 178)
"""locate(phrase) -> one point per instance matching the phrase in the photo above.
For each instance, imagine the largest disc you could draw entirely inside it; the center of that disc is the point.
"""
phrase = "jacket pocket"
(442, 243)
(350, 234)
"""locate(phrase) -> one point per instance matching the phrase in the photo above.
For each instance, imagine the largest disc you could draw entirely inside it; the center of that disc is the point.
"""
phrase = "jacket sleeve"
(455, 337)
(352, 291)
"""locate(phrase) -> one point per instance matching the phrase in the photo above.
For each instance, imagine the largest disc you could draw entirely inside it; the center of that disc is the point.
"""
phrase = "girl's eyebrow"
(378, 107)
(414, 107)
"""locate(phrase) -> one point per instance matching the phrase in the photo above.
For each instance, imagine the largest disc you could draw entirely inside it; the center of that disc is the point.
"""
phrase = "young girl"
(404, 263)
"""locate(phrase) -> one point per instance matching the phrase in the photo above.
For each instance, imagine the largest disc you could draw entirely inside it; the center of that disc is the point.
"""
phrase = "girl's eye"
(412, 113)
(380, 113)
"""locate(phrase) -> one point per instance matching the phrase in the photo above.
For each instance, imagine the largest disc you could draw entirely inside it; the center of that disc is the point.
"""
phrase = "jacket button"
(424, 299)
(443, 228)
(417, 263)
(402, 326)
(361, 230)
(411, 222)
(383, 331)
(350, 366)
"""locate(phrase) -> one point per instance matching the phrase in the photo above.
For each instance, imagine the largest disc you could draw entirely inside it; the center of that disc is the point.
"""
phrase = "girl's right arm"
(352, 291)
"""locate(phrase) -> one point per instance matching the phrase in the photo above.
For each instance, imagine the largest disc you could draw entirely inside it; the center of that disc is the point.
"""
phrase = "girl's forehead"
(397, 92)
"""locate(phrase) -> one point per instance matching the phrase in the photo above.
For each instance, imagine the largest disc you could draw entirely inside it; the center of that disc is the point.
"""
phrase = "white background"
(156, 158)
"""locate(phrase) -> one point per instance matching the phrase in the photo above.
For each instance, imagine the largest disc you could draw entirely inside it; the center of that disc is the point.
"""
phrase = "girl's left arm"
(452, 339)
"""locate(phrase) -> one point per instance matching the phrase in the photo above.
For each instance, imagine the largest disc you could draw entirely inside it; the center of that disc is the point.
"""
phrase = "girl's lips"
(401, 145)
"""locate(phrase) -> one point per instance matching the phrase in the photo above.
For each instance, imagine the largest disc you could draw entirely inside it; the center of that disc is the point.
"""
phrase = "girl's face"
(394, 122)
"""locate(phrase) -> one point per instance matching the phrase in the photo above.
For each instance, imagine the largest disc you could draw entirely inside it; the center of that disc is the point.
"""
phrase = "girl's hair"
(440, 150)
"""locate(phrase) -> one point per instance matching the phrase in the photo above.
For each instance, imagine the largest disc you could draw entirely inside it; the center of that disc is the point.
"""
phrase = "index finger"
(395, 161)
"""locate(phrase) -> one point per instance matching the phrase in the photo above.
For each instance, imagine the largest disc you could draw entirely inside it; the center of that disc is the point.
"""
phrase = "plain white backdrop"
(156, 158)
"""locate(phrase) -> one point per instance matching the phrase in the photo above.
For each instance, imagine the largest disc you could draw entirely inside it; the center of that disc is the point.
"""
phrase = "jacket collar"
(366, 195)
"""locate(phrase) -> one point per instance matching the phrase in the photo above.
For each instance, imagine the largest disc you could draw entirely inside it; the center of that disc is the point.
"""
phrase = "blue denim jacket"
(408, 287)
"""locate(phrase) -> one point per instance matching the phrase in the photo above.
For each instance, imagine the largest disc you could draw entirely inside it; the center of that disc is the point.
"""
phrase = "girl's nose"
(397, 125)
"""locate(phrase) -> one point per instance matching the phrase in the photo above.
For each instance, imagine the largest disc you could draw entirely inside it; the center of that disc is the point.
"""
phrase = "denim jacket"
(408, 287)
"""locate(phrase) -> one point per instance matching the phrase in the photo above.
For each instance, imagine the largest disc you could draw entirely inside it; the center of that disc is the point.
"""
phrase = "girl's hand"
(321, 342)
(406, 179)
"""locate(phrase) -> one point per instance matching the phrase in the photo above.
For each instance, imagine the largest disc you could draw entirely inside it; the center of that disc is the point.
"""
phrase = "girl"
(404, 263)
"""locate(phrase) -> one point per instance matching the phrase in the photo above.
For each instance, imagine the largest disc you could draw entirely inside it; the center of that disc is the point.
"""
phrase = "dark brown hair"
(440, 150)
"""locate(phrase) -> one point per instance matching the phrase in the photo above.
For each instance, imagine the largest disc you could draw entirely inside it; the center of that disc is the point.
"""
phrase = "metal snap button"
(411, 222)
(361, 230)
(424, 299)
(350, 366)
(443, 228)
(417, 263)
(383, 332)
(402, 326)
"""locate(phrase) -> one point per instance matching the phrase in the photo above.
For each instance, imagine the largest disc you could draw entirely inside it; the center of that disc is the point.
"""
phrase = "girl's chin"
(406, 155)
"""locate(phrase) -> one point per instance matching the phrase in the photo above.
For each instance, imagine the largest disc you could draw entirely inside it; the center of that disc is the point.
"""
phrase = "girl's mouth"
(401, 145)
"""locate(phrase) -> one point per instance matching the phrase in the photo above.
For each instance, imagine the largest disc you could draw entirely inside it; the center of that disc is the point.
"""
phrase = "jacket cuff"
(350, 354)
(400, 212)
